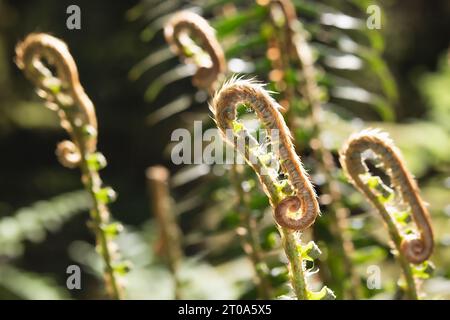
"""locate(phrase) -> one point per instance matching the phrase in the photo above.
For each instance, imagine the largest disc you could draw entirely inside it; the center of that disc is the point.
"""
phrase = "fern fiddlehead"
(211, 67)
(289, 48)
(205, 51)
(412, 247)
(63, 93)
(286, 197)
(224, 104)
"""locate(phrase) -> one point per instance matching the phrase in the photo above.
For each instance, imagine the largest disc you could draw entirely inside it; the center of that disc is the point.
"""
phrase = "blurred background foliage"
(396, 78)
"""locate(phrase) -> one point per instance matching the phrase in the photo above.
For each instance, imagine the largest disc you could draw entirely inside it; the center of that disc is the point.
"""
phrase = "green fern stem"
(294, 195)
(100, 217)
(292, 247)
(63, 93)
(293, 48)
(412, 246)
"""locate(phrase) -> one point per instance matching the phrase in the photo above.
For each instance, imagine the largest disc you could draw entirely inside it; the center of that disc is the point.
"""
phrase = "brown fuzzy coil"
(68, 154)
(416, 248)
(236, 92)
(75, 108)
(196, 27)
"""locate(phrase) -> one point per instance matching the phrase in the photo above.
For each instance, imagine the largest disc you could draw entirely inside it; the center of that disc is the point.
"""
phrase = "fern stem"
(298, 194)
(411, 285)
(161, 201)
(64, 93)
(293, 45)
(292, 246)
(251, 239)
(410, 248)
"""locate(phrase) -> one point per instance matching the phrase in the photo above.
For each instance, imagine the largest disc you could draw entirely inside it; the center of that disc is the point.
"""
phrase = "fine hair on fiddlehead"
(238, 91)
(289, 197)
(192, 38)
(288, 50)
(37, 55)
(413, 245)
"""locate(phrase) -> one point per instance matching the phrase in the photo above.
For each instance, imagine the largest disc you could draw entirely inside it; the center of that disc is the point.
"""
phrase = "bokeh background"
(116, 36)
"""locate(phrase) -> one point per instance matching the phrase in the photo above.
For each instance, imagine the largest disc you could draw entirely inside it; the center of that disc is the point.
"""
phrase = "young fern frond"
(192, 38)
(211, 67)
(292, 49)
(413, 246)
(62, 90)
(286, 197)
(236, 92)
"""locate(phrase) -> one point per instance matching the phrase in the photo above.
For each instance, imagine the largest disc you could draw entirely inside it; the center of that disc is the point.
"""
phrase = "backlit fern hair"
(248, 92)
(287, 197)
